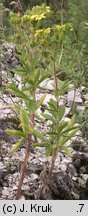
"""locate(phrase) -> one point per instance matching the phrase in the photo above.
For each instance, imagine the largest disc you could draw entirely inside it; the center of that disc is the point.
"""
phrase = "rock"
(81, 182)
(34, 176)
(64, 185)
(5, 191)
(22, 198)
(74, 96)
(84, 177)
(76, 145)
(71, 170)
(80, 161)
(80, 108)
(15, 187)
(48, 84)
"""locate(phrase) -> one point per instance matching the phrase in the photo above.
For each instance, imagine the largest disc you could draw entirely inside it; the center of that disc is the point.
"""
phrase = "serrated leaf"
(40, 101)
(68, 152)
(24, 118)
(15, 133)
(39, 118)
(16, 106)
(12, 88)
(63, 139)
(31, 105)
(63, 87)
(52, 105)
(71, 122)
(39, 144)
(68, 130)
(36, 75)
(48, 150)
(43, 78)
(29, 80)
(17, 145)
(61, 112)
(52, 133)
(47, 116)
(37, 134)
(61, 127)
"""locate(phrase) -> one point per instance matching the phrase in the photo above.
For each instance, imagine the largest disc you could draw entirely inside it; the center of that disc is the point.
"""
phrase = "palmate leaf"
(24, 118)
(17, 145)
(12, 88)
(15, 133)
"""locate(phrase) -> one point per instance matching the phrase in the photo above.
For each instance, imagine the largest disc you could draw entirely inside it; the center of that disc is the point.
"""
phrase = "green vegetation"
(52, 43)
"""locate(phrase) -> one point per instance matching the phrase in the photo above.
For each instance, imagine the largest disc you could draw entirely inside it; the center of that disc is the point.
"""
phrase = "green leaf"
(31, 105)
(67, 151)
(48, 150)
(12, 88)
(29, 80)
(39, 144)
(63, 140)
(15, 133)
(65, 132)
(17, 145)
(62, 126)
(61, 112)
(16, 106)
(36, 134)
(63, 87)
(52, 104)
(43, 78)
(40, 101)
(71, 122)
(52, 133)
(39, 118)
(47, 116)
(36, 76)
(24, 118)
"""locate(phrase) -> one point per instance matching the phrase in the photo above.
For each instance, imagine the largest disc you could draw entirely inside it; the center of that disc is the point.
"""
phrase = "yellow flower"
(37, 17)
(26, 17)
(47, 31)
(38, 32)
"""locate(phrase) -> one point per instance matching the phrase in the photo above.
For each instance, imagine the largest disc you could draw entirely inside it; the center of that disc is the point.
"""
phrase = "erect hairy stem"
(54, 155)
(24, 165)
(33, 114)
(27, 151)
(55, 146)
(44, 179)
(55, 78)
